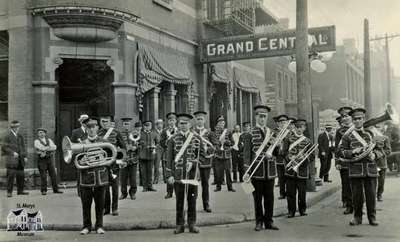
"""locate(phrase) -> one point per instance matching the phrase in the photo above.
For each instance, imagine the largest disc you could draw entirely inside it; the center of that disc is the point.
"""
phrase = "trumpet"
(294, 164)
(280, 136)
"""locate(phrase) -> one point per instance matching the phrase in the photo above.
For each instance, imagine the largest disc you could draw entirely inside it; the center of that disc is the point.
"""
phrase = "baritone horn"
(90, 155)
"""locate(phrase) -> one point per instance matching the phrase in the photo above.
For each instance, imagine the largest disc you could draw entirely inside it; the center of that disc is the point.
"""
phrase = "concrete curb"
(214, 219)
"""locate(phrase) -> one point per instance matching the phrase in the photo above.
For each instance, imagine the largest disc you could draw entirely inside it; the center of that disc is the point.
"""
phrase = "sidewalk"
(150, 210)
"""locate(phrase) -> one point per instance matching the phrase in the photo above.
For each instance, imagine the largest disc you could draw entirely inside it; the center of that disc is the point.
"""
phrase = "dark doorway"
(84, 86)
(219, 104)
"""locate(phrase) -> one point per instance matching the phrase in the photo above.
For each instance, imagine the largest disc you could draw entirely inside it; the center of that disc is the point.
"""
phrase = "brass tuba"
(89, 155)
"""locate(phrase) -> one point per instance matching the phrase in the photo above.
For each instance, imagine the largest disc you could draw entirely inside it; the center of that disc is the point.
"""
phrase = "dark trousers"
(180, 192)
(281, 180)
(88, 194)
(170, 187)
(237, 166)
(296, 186)
(222, 166)
(156, 166)
(214, 168)
(47, 165)
(326, 162)
(381, 182)
(146, 167)
(361, 187)
(263, 189)
(205, 193)
(347, 197)
(111, 199)
(128, 175)
(19, 175)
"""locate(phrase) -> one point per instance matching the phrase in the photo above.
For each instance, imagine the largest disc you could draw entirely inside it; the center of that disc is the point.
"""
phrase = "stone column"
(170, 94)
(239, 108)
(153, 107)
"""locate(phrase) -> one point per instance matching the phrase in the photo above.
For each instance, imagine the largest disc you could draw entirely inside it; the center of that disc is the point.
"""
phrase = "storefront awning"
(246, 81)
(221, 72)
(155, 66)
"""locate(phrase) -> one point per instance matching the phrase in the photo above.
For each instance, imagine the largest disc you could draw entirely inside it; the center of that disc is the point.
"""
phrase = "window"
(164, 3)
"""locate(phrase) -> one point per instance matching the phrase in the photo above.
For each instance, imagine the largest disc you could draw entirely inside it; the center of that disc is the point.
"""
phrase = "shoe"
(115, 213)
(85, 231)
(348, 211)
(100, 231)
(150, 189)
(145, 190)
(290, 215)
(355, 222)
(23, 193)
(234, 181)
(258, 227)
(271, 226)
(303, 214)
(179, 229)
(208, 209)
(232, 190)
(281, 197)
(168, 196)
(9, 194)
(223, 183)
(373, 222)
(106, 212)
(379, 198)
(155, 182)
(44, 193)
(193, 229)
(218, 189)
(122, 197)
(58, 191)
(133, 196)
(329, 181)
(213, 183)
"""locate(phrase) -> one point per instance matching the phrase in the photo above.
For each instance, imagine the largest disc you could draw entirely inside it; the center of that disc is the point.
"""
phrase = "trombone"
(280, 136)
(294, 164)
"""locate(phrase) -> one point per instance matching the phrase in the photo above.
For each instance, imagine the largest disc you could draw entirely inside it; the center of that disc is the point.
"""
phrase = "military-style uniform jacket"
(292, 150)
(364, 167)
(147, 140)
(226, 153)
(191, 154)
(96, 176)
(383, 150)
(244, 139)
(206, 134)
(78, 135)
(132, 148)
(165, 135)
(116, 139)
(338, 139)
(281, 153)
(267, 170)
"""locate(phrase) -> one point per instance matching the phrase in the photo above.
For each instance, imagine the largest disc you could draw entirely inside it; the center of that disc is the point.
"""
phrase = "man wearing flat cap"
(345, 123)
(165, 136)
(280, 121)
(325, 148)
(14, 151)
(263, 178)
(183, 159)
(45, 149)
(363, 171)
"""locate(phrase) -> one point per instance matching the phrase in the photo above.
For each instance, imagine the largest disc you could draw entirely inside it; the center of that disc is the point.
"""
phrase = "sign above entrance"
(264, 45)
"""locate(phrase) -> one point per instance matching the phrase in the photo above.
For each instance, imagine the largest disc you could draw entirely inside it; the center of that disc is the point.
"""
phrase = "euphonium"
(89, 155)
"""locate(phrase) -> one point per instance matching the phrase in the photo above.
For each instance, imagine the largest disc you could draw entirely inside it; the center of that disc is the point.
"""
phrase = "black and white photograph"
(200, 120)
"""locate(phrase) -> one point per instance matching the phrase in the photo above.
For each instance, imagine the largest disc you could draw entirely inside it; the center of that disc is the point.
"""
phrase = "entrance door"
(218, 105)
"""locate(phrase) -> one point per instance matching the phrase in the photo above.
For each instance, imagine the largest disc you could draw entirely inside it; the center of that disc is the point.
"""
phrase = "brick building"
(62, 58)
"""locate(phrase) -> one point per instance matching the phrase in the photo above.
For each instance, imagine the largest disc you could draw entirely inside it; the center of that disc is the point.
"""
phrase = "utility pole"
(367, 70)
(304, 106)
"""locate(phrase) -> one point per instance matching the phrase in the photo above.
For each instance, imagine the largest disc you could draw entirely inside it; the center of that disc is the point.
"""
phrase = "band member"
(295, 146)
(280, 158)
(325, 149)
(244, 137)
(183, 152)
(114, 137)
(362, 171)
(205, 162)
(383, 147)
(158, 130)
(263, 179)
(128, 173)
(80, 134)
(165, 136)
(14, 151)
(345, 123)
(223, 142)
(93, 184)
(235, 152)
(147, 153)
(45, 149)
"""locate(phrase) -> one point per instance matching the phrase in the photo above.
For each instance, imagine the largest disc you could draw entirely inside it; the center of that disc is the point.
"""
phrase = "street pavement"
(150, 210)
(325, 222)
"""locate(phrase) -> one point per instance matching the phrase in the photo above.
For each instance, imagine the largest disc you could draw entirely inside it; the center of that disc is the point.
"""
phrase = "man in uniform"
(325, 148)
(14, 151)
(362, 171)
(183, 152)
(114, 137)
(147, 153)
(93, 184)
(263, 179)
(296, 182)
(205, 162)
(129, 172)
(235, 152)
(244, 137)
(158, 130)
(383, 146)
(345, 123)
(280, 158)
(222, 142)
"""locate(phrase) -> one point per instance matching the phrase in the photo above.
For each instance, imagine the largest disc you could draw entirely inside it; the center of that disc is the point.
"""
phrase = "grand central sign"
(264, 45)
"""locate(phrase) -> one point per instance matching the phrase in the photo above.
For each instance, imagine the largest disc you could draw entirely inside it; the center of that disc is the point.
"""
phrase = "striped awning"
(221, 72)
(246, 81)
(155, 66)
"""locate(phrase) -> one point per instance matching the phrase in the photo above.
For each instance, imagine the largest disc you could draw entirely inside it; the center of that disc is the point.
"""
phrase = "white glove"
(246, 177)
(171, 180)
(16, 155)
